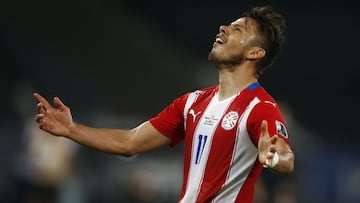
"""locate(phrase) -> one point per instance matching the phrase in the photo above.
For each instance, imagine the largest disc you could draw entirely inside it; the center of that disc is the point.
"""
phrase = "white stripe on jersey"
(190, 100)
(248, 152)
(202, 140)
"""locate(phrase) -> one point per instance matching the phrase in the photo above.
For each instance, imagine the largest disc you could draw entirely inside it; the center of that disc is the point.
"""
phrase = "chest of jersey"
(207, 121)
(214, 142)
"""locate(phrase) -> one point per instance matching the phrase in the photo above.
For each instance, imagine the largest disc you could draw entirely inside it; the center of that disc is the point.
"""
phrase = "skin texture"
(235, 59)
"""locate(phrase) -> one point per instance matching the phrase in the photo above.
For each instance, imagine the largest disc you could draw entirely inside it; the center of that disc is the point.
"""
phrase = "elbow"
(125, 148)
(128, 150)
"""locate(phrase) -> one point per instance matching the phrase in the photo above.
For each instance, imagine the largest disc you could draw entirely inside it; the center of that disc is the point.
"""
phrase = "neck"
(234, 79)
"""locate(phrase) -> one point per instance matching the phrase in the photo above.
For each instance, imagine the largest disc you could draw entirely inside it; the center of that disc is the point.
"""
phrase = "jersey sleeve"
(270, 112)
(170, 121)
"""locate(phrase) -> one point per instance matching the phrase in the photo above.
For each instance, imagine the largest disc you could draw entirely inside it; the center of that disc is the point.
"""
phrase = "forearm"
(107, 140)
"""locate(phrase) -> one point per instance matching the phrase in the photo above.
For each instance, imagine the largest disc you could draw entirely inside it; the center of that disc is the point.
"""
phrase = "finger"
(39, 118)
(58, 103)
(40, 108)
(272, 148)
(42, 100)
(274, 139)
(270, 155)
(264, 128)
(267, 162)
(43, 127)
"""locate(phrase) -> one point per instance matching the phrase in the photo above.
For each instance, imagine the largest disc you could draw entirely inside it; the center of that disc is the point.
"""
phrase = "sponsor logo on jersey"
(281, 129)
(192, 112)
(229, 120)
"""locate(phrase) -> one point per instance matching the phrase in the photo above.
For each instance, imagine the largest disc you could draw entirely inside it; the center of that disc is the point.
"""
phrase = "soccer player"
(231, 131)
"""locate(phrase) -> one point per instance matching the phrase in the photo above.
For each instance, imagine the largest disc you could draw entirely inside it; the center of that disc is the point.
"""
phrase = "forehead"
(246, 22)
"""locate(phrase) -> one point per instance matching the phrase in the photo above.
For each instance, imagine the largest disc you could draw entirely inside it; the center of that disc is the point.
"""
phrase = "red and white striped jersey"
(220, 156)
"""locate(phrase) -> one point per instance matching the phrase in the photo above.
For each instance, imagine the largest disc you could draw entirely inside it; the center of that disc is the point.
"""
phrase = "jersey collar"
(253, 86)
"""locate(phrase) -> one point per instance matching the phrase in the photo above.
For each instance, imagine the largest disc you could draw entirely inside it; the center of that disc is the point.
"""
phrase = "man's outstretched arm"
(274, 152)
(57, 120)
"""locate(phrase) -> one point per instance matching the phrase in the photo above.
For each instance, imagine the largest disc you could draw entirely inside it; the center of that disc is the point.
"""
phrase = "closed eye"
(236, 27)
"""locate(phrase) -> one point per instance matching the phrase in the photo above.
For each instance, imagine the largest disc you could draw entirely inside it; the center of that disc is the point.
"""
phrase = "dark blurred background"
(118, 63)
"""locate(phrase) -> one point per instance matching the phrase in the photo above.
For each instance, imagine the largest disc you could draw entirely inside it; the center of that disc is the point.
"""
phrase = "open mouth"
(219, 40)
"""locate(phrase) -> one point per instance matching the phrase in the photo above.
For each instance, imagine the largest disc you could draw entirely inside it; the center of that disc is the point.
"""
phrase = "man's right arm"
(123, 142)
(57, 120)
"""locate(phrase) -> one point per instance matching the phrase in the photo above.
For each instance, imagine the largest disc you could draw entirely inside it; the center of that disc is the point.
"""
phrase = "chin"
(217, 57)
(213, 56)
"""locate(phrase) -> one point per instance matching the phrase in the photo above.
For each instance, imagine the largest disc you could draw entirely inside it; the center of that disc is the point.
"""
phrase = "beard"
(219, 60)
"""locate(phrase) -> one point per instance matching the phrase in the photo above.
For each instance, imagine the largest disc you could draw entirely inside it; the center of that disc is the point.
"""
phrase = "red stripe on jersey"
(204, 99)
(247, 190)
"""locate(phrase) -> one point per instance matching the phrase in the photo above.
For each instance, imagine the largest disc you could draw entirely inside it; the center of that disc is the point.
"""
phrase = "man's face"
(233, 41)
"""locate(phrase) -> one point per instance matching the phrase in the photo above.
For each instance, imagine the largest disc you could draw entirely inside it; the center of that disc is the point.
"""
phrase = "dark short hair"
(271, 28)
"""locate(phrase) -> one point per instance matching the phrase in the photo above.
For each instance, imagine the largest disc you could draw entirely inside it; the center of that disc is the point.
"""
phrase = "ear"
(255, 53)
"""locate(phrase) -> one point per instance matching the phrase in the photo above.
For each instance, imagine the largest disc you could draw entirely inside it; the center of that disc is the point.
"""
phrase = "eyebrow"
(238, 25)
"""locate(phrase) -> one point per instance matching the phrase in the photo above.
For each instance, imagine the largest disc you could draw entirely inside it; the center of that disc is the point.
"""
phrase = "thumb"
(264, 127)
(58, 103)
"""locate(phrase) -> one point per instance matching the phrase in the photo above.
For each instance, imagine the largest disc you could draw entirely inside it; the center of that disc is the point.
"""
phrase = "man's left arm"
(274, 152)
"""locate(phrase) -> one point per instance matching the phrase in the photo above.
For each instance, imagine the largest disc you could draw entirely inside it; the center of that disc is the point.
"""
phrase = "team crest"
(281, 129)
(229, 120)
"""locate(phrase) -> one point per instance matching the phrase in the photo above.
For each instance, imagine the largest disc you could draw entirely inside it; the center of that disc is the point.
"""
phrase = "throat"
(232, 82)
(224, 95)
(230, 90)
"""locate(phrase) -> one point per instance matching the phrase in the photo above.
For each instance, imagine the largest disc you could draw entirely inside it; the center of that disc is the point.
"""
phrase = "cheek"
(236, 45)
(234, 50)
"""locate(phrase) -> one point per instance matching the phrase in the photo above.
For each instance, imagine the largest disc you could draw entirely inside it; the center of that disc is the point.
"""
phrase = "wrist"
(71, 130)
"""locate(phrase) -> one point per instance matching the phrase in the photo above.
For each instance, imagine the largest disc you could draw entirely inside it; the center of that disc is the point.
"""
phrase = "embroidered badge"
(281, 129)
(229, 120)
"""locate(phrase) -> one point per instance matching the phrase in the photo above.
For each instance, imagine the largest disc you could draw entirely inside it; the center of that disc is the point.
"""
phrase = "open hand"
(56, 120)
(267, 145)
